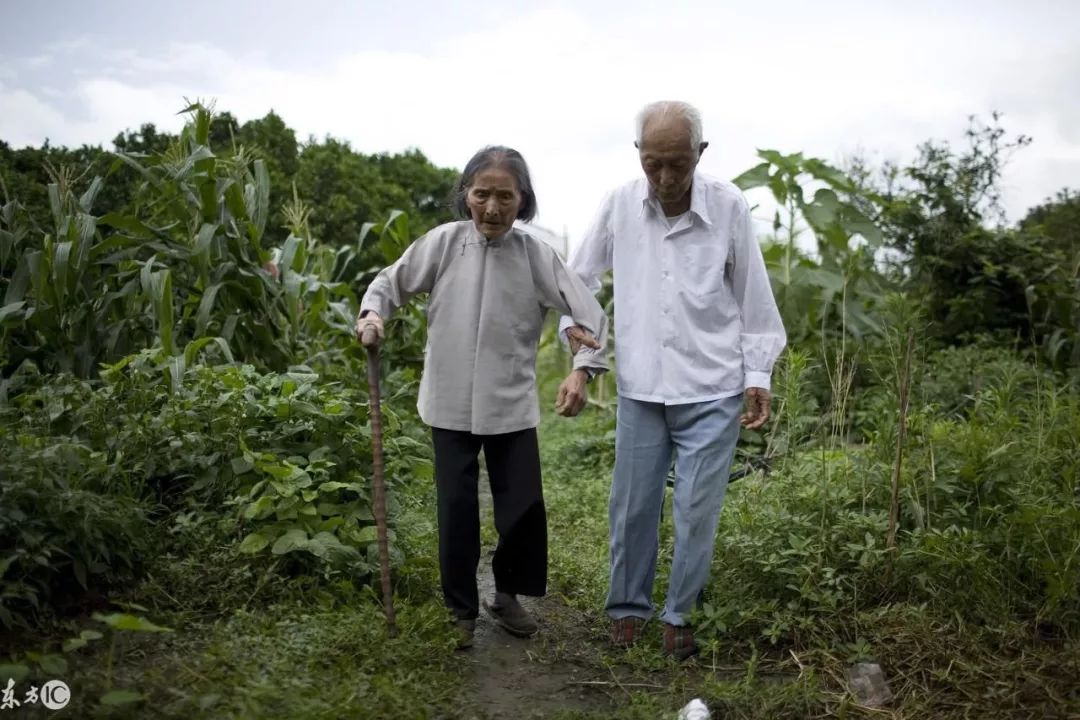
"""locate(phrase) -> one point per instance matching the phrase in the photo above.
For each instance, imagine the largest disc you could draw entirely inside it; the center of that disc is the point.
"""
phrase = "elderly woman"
(490, 285)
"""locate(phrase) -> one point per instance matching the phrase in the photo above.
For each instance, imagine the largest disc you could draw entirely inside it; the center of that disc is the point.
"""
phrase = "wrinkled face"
(668, 158)
(493, 200)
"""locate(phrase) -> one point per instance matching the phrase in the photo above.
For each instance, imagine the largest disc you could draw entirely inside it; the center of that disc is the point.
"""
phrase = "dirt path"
(511, 677)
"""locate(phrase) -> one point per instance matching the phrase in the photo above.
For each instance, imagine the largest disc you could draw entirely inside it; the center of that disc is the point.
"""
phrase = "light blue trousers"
(702, 437)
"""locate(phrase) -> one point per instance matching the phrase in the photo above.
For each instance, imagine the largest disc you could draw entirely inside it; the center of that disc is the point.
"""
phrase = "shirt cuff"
(754, 378)
(372, 306)
(565, 322)
(589, 359)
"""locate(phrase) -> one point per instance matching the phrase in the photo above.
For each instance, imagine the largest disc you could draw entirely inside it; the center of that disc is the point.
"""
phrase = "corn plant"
(836, 292)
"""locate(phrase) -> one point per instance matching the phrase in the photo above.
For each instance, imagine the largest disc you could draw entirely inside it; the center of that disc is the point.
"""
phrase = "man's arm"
(762, 337)
(589, 261)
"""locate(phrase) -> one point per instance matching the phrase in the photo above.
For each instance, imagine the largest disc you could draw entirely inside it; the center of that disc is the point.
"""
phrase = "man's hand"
(372, 324)
(572, 394)
(578, 336)
(758, 404)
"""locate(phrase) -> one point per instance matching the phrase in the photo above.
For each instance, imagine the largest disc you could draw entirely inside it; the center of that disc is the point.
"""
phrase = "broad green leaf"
(61, 256)
(72, 644)
(294, 539)
(241, 465)
(327, 546)
(234, 201)
(56, 206)
(163, 300)
(54, 665)
(367, 534)
(14, 309)
(87, 227)
(365, 230)
(779, 188)
(199, 154)
(331, 524)
(823, 210)
(13, 672)
(176, 367)
(202, 123)
(16, 291)
(253, 543)
(127, 223)
(204, 238)
(334, 485)
(208, 197)
(260, 213)
(121, 697)
(194, 347)
(260, 508)
(7, 245)
(789, 164)
(856, 223)
(86, 202)
(423, 469)
(146, 276)
(288, 254)
(754, 177)
(827, 173)
(206, 307)
(132, 161)
(124, 621)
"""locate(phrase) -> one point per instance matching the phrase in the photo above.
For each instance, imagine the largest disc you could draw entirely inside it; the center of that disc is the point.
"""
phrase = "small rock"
(867, 684)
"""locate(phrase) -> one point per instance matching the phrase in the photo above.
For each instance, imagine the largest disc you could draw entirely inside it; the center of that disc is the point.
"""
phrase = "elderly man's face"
(494, 200)
(668, 158)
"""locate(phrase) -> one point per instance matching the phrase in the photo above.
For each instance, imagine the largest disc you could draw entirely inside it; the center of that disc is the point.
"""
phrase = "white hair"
(663, 108)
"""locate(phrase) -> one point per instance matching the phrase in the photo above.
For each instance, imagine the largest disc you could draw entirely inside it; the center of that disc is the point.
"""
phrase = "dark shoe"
(512, 617)
(625, 631)
(679, 641)
(464, 630)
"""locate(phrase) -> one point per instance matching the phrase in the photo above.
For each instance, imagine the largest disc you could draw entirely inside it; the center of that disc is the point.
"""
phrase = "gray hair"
(664, 108)
(501, 157)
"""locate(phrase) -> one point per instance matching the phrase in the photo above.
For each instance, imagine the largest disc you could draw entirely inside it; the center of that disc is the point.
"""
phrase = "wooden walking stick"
(378, 491)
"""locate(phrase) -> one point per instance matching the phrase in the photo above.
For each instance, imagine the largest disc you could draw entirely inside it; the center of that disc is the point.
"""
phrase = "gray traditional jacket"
(486, 309)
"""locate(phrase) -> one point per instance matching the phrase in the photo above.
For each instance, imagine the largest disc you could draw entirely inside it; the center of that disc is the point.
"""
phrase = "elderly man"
(697, 331)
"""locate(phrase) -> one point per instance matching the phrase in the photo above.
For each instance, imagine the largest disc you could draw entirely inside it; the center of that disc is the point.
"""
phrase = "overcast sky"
(562, 81)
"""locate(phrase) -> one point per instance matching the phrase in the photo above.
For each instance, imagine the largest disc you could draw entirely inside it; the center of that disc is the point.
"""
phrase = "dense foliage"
(184, 432)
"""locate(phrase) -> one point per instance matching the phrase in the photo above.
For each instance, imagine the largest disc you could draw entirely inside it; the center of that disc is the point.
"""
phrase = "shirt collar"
(477, 237)
(698, 202)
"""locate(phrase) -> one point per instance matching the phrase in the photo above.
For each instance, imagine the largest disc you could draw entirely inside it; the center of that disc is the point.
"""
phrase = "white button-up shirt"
(695, 317)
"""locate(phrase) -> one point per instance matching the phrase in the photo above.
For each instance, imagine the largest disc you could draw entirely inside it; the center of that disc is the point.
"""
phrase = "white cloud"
(27, 120)
(563, 88)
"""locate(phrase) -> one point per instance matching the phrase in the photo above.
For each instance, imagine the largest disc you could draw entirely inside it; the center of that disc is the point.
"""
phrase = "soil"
(511, 677)
(537, 677)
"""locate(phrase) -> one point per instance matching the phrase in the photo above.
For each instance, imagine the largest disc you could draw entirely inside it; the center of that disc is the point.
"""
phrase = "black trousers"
(520, 562)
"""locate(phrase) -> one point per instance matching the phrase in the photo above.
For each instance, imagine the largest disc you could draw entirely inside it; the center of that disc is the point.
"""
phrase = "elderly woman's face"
(493, 200)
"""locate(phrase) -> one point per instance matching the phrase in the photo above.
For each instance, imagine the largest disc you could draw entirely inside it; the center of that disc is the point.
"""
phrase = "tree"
(347, 189)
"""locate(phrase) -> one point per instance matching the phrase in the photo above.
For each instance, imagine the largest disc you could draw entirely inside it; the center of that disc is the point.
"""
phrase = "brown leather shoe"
(679, 641)
(625, 631)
